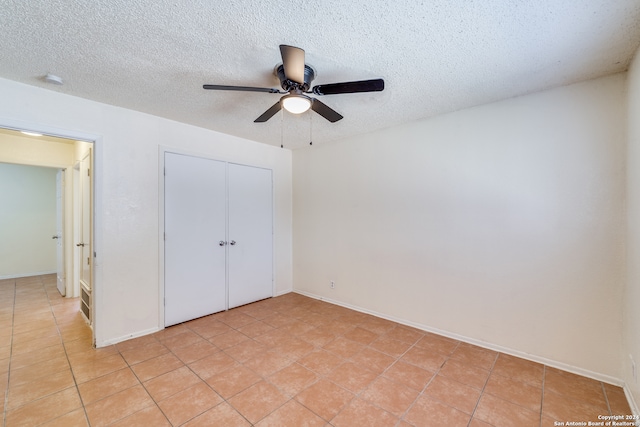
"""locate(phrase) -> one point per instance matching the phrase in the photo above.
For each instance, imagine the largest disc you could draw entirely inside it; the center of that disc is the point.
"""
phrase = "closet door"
(195, 237)
(250, 262)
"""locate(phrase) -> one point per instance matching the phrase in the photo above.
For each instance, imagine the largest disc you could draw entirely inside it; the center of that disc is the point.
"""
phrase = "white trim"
(17, 276)
(284, 292)
(548, 362)
(128, 337)
(632, 402)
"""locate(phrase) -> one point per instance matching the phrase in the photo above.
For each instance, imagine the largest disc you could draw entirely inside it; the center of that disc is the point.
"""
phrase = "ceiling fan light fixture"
(296, 104)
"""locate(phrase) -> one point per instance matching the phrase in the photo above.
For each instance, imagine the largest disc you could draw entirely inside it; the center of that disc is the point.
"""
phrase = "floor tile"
(267, 363)
(118, 406)
(222, 415)
(144, 352)
(343, 347)
(317, 337)
(561, 408)
(513, 391)
(374, 360)
(453, 393)
(76, 418)
(157, 366)
(575, 387)
(325, 398)
(361, 335)
(245, 350)
(617, 400)
(362, 413)
(519, 369)
(292, 379)
(97, 368)
(321, 361)
(147, 417)
(294, 348)
(172, 382)
(189, 403)
(428, 412)
(292, 414)
(44, 386)
(465, 373)
(211, 365)
(390, 396)
(181, 340)
(195, 351)
(474, 355)
(499, 412)
(99, 388)
(228, 339)
(428, 360)
(392, 347)
(409, 375)
(406, 334)
(45, 409)
(352, 377)
(258, 401)
(232, 381)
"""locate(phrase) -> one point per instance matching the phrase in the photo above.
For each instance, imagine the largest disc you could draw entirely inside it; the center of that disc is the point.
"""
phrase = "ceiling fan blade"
(293, 63)
(375, 85)
(241, 88)
(269, 113)
(325, 111)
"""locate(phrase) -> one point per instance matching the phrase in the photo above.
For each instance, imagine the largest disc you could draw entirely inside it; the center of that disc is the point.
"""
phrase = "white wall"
(127, 208)
(503, 224)
(27, 220)
(632, 291)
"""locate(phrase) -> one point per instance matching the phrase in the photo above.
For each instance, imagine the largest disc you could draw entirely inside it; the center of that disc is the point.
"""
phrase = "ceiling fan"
(295, 78)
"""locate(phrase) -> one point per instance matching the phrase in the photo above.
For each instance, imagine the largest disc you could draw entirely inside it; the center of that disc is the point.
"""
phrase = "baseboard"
(286, 291)
(549, 362)
(632, 402)
(113, 341)
(18, 276)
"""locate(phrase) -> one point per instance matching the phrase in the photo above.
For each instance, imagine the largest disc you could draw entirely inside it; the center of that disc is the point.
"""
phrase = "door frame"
(96, 141)
(162, 149)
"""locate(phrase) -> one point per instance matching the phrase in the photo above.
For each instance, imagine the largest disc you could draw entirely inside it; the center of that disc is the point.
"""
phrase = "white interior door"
(59, 236)
(195, 237)
(85, 229)
(250, 261)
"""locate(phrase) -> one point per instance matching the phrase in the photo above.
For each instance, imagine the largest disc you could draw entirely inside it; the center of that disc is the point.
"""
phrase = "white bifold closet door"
(218, 236)
(195, 223)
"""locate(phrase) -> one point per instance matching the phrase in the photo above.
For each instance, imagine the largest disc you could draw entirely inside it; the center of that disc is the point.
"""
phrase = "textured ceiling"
(436, 56)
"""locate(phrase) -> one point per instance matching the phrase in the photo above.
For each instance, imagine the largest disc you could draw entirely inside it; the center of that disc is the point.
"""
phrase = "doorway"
(72, 248)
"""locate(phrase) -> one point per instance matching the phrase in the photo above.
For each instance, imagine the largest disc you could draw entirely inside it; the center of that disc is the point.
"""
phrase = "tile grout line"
(493, 365)
(6, 391)
(544, 376)
(66, 355)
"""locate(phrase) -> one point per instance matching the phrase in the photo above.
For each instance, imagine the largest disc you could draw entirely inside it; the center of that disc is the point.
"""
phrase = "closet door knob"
(232, 243)
(222, 243)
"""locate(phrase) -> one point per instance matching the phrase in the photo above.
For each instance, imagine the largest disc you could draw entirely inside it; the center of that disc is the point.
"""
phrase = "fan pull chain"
(310, 128)
(282, 128)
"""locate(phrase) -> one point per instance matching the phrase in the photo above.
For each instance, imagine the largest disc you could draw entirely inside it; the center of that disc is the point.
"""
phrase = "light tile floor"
(286, 361)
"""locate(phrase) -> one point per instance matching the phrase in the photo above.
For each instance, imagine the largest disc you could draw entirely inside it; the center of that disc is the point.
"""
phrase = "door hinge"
(88, 262)
(88, 172)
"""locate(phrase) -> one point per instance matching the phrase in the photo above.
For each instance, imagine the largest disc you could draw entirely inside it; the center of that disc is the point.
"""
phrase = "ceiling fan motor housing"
(289, 85)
